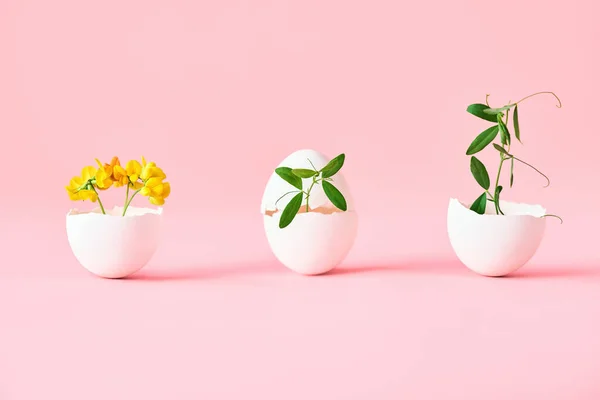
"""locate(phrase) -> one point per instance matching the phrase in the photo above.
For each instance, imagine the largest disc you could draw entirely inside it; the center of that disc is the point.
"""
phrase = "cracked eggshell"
(495, 245)
(113, 246)
(276, 187)
(316, 241)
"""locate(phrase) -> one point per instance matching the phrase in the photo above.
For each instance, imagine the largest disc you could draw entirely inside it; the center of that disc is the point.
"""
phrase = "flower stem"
(99, 201)
(129, 201)
(308, 192)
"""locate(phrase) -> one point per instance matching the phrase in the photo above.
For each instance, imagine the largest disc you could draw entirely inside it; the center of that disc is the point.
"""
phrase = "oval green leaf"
(482, 140)
(479, 110)
(304, 173)
(480, 173)
(516, 124)
(512, 167)
(479, 205)
(501, 149)
(335, 196)
(333, 166)
(286, 174)
(504, 134)
(290, 211)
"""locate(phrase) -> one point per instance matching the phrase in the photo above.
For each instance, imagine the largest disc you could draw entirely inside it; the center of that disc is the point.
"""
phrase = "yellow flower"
(120, 176)
(104, 175)
(133, 170)
(150, 170)
(156, 190)
(81, 187)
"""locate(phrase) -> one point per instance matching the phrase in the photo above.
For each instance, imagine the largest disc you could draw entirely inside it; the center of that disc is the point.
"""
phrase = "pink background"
(217, 93)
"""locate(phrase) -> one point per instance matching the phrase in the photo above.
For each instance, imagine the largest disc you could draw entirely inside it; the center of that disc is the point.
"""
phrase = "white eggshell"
(316, 241)
(113, 246)
(495, 245)
(277, 187)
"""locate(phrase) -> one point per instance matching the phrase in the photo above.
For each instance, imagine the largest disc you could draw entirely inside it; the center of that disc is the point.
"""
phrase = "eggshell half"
(314, 243)
(113, 246)
(495, 245)
(277, 187)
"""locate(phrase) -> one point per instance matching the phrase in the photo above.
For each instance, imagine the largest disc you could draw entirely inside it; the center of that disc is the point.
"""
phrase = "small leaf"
(478, 110)
(501, 149)
(512, 167)
(333, 166)
(286, 174)
(482, 140)
(516, 124)
(290, 211)
(495, 111)
(335, 196)
(497, 200)
(504, 134)
(304, 173)
(479, 205)
(480, 173)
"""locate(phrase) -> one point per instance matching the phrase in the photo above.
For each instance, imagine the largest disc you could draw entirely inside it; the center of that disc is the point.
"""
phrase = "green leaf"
(501, 149)
(335, 196)
(516, 124)
(479, 205)
(480, 173)
(333, 166)
(479, 110)
(482, 140)
(290, 211)
(497, 200)
(495, 111)
(286, 174)
(504, 134)
(304, 173)
(512, 167)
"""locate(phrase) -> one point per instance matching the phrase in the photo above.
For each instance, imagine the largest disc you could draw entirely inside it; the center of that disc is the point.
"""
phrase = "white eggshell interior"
(113, 246)
(315, 242)
(495, 245)
(277, 187)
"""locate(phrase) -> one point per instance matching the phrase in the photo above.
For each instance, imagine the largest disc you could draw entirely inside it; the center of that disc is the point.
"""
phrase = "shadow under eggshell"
(495, 245)
(113, 246)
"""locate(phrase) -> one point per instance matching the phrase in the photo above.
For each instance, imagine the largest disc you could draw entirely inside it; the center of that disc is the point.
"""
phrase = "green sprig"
(323, 177)
(500, 117)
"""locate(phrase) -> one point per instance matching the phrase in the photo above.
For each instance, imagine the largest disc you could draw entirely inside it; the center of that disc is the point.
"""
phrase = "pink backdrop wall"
(219, 92)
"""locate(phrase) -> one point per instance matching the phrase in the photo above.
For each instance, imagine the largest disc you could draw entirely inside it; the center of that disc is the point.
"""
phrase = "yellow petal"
(143, 161)
(138, 185)
(88, 173)
(158, 201)
(166, 190)
(145, 191)
(115, 161)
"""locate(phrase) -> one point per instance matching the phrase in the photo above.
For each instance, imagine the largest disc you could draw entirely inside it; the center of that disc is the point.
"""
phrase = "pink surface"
(217, 93)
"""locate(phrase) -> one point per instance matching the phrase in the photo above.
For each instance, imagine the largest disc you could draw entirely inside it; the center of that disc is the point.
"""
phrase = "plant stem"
(99, 201)
(129, 202)
(308, 192)
(126, 195)
(559, 105)
(498, 181)
(537, 170)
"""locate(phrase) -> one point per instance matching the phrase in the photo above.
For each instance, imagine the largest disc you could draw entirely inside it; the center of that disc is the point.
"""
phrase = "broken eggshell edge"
(316, 241)
(495, 245)
(112, 245)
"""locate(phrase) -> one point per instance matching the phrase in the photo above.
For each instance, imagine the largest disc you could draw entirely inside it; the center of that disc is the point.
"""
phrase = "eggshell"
(113, 246)
(276, 187)
(316, 241)
(495, 245)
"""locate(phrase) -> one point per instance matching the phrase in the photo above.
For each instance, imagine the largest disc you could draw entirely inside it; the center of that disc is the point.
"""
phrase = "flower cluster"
(145, 178)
